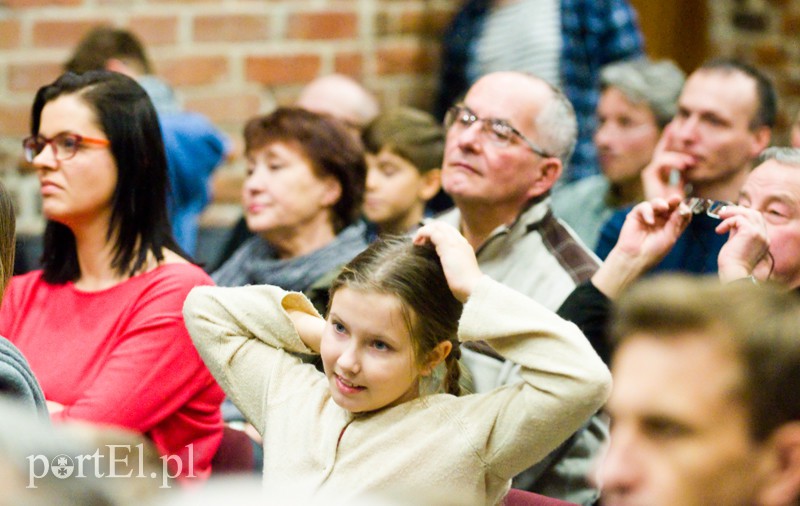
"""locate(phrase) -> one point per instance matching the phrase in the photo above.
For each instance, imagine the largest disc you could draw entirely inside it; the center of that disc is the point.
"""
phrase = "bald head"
(342, 98)
(540, 103)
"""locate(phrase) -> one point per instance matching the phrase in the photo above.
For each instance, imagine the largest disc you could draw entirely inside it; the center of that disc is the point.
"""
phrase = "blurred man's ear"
(761, 139)
(781, 486)
(430, 184)
(551, 169)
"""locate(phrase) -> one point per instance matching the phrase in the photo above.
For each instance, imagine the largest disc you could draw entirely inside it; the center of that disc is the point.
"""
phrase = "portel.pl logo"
(117, 461)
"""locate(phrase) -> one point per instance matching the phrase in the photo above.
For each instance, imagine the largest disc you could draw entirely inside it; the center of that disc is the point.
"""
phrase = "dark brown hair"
(7, 238)
(104, 43)
(414, 275)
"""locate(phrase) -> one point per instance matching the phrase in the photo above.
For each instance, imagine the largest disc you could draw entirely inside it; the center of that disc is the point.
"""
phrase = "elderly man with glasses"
(506, 146)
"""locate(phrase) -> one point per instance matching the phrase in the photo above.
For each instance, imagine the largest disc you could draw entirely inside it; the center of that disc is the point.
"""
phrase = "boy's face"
(396, 191)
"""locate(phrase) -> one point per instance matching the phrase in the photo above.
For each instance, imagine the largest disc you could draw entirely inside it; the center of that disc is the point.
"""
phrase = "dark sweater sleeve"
(589, 309)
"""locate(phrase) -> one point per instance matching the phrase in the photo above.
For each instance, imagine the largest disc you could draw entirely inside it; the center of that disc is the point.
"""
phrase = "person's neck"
(479, 221)
(95, 254)
(628, 191)
(301, 240)
(727, 188)
(402, 224)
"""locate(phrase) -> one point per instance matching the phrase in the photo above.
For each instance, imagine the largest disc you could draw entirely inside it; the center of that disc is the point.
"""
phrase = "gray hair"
(557, 125)
(656, 84)
(788, 156)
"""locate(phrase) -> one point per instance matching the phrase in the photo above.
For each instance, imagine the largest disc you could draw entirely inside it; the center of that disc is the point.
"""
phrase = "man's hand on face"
(745, 252)
(664, 176)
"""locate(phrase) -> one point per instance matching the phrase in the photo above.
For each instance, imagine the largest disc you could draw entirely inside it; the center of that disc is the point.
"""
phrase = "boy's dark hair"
(410, 133)
(104, 43)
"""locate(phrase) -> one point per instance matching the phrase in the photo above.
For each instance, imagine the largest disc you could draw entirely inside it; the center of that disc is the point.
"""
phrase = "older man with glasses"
(506, 146)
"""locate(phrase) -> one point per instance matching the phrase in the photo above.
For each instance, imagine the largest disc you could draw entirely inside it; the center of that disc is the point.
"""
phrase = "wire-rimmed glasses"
(698, 205)
(499, 132)
(64, 145)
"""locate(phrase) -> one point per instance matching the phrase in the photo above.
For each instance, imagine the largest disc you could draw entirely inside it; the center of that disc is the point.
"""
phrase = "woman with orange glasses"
(101, 322)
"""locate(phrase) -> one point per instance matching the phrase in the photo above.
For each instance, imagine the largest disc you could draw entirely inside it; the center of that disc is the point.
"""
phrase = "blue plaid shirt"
(594, 33)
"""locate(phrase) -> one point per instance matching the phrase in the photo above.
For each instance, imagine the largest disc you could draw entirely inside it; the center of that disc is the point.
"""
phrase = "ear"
(436, 356)
(782, 484)
(333, 191)
(550, 171)
(429, 185)
(761, 137)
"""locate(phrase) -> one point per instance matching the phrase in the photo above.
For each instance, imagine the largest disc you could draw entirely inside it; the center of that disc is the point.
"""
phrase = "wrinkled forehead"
(515, 97)
(775, 180)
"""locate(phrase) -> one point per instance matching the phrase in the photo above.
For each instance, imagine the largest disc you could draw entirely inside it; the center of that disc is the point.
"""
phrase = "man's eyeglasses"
(498, 131)
(697, 205)
(64, 145)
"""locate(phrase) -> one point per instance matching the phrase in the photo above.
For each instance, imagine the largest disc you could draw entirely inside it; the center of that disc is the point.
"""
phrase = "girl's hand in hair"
(457, 257)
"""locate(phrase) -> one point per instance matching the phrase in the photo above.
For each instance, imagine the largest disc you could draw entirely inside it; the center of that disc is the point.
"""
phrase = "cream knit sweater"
(437, 449)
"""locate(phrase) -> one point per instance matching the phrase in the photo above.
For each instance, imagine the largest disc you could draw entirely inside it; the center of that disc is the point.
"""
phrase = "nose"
(348, 360)
(468, 137)
(620, 469)
(685, 130)
(603, 135)
(371, 178)
(256, 181)
(46, 158)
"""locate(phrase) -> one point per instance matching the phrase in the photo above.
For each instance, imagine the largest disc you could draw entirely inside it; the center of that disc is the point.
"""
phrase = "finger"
(644, 213)
(726, 226)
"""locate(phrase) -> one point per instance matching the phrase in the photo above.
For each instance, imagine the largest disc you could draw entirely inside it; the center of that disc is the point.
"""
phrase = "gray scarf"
(256, 262)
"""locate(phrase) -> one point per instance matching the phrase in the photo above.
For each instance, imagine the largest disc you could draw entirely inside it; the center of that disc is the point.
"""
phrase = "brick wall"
(765, 33)
(228, 59)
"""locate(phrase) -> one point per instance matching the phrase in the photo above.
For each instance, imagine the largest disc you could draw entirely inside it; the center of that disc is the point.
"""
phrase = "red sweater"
(121, 356)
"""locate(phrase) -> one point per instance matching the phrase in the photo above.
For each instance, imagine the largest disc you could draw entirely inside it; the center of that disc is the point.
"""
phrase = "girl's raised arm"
(240, 333)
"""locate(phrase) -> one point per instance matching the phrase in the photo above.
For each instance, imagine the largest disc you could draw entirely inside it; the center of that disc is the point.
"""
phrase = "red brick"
(21, 4)
(790, 24)
(32, 76)
(322, 25)
(174, 2)
(231, 28)
(193, 70)
(230, 108)
(15, 119)
(63, 33)
(351, 64)
(282, 69)
(9, 34)
(770, 55)
(411, 22)
(404, 60)
(155, 30)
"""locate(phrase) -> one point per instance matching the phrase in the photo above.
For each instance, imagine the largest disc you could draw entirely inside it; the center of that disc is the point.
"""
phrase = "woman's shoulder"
(22, 283)
(182, 273)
